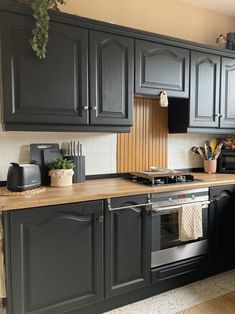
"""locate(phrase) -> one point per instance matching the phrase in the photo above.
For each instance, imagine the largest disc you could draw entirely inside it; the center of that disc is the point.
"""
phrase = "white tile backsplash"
(99, 148)
(179, 149)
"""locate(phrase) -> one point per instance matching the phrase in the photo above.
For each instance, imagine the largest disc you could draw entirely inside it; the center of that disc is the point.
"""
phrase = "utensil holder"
(79, 169)
(210, 166)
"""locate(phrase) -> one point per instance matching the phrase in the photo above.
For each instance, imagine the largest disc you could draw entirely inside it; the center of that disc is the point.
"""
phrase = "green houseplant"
(61, 172)
(41, 15)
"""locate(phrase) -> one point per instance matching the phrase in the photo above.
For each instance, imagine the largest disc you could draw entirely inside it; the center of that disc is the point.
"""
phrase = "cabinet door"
(55, 258)
(44, 92)
(204, 90)
(111, 80)
(227, 103)
(127, 246)
(221, 227)
(161, 67)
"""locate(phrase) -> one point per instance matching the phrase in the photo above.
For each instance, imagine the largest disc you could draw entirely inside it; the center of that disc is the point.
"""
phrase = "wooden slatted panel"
(146, 144)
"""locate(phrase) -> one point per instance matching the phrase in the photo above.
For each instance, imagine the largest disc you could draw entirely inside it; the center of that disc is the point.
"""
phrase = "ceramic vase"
(210, 166)
(61, 177)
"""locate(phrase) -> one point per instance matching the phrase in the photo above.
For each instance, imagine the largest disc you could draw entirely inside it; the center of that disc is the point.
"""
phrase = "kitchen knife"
(78, 148)
(68, 149)
(74, 148)
(71, 148)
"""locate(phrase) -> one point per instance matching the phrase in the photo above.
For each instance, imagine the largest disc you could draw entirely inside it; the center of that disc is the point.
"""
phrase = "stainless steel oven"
(166, 247)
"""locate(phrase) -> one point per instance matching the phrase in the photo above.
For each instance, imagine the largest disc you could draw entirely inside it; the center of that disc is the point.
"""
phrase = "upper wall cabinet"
(161, 67)
(63, 92)
(204, 90)
(53, 91)
(211, 107)
(111, 79)
(227, 103)
(86, 82)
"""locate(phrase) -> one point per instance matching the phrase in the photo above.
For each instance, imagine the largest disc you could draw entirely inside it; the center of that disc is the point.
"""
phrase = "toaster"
(23, 177)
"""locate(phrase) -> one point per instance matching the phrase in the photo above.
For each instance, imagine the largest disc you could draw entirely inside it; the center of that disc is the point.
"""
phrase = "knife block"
(79, 169)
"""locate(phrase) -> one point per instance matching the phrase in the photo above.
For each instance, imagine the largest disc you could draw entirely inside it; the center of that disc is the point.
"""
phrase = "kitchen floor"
(182, 298)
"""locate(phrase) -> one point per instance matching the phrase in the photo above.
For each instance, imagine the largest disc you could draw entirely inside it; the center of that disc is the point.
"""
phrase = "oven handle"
(174, 207)
(129, 206)
(132, 206)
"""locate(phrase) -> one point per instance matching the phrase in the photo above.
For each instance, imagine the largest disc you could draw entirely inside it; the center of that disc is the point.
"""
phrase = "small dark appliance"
(23, 177)
(226, 161)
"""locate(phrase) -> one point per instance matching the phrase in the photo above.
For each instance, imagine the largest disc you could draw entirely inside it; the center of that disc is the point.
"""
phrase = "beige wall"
(168, 17)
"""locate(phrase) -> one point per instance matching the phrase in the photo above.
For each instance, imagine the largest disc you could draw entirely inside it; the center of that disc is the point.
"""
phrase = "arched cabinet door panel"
(111, 79)
(222, 226)
(227, 102)
(161, 67)
(204, 90)
(55, 258)
(53, 91)
(127, 246)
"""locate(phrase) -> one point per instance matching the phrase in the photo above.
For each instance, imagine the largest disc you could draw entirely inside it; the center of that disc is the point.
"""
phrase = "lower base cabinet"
(55, 258)
(222, 228)
(88, 258)
(127, 246)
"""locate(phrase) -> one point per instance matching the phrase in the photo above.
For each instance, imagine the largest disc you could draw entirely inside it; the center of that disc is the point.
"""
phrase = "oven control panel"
(180, 197)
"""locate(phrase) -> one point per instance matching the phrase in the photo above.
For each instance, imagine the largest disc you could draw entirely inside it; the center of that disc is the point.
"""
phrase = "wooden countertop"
(106, 188)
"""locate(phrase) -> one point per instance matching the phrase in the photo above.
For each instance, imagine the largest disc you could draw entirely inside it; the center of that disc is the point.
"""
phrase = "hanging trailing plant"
(40, 32)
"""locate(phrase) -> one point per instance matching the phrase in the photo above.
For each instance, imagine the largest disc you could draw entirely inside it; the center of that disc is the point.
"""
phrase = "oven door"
(166, 246)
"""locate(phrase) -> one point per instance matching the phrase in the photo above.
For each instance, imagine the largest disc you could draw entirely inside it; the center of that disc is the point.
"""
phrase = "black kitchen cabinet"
(46, 92)
(65, 91)
(211, 106)
(127, 246)
(204, 90)
(222, 228)
(55, 258)
(227, 102)
(161, 67)
(111, 79)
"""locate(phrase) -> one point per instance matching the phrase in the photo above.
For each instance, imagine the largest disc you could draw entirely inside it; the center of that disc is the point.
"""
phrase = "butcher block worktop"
(106, 188)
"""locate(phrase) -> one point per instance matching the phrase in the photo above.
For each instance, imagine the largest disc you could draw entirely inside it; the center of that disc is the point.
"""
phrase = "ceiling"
(226, 7)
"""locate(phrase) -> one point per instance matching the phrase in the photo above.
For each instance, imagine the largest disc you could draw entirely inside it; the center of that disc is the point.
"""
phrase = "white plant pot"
(61, 177)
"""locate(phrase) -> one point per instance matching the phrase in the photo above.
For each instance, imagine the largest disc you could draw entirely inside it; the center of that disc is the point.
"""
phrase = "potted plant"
(40, 32)
(61, 172)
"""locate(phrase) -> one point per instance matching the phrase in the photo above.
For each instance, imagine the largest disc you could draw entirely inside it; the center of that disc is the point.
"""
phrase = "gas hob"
(160, 176)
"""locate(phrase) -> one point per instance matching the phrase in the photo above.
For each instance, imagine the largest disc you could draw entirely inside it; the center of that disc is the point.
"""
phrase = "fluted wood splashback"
(146, 144)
